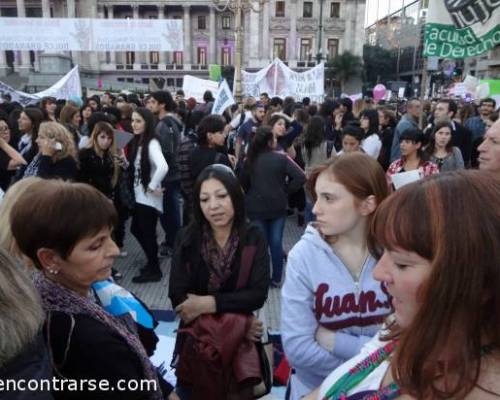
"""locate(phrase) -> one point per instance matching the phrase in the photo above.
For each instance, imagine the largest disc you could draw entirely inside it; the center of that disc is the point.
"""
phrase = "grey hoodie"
(320, 290)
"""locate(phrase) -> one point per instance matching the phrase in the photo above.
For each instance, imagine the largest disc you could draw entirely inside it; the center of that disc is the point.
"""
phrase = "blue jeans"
(273, 230)
(171, 218)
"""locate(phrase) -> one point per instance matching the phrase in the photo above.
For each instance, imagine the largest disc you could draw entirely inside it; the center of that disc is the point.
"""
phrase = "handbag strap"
(247, 255)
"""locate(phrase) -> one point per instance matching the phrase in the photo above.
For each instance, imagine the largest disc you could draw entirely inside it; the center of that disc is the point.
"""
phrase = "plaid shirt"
(426, 168)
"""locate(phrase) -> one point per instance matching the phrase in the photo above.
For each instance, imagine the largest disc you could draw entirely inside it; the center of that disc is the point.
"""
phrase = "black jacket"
(462, 138)
(96, 171)
(267, 184)
(65, 168)
(169, 131)
(202, 156)
(32, 363)
(94, 352)
(190, 274)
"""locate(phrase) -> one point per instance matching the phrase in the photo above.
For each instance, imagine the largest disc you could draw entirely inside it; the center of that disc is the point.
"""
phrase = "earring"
(53, 271)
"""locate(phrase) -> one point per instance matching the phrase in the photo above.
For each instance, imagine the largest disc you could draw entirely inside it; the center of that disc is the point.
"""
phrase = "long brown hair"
(107, 128)
(452, 220)
(361, 175)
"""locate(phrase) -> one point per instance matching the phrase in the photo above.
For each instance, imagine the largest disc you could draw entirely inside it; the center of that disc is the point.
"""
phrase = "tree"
(343, 67)
(379, 65)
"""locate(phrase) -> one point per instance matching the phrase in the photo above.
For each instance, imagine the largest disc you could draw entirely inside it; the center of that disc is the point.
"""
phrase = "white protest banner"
(401, 92)
(459, 29)
(66, 87)
(224, 99)
(196, 87)
(86, 34)
(279, 80)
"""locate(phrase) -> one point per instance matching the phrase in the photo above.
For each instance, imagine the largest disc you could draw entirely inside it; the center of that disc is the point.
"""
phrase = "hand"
(255, 331)
(156, 192)
(232, 159)
(173, 396)
(325, 338)
(286, 117)
(47, 147)
(195, 306)
(338, 121)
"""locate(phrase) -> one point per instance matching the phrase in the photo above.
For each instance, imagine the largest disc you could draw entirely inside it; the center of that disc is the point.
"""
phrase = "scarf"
(58, 298)
(32, 168)
(218, 260)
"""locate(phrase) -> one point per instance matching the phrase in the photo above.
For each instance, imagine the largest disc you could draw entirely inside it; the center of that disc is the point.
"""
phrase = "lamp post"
(238, 8)
(319, 55)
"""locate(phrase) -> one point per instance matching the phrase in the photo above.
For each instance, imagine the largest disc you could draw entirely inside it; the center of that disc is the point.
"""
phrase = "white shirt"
(372, 145)
(235, 122)
(371, 383)
(159, 169)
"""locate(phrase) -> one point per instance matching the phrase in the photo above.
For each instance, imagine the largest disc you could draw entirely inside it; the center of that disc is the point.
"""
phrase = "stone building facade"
(285, 29)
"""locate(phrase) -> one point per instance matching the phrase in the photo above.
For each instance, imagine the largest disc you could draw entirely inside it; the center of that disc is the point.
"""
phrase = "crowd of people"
(390, 293)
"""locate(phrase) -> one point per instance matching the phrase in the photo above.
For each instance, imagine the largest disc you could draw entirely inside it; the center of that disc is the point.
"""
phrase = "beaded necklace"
(338, 391)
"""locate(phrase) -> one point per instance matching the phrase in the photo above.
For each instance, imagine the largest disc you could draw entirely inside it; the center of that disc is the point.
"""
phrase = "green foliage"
(379, 65)
(343, 67)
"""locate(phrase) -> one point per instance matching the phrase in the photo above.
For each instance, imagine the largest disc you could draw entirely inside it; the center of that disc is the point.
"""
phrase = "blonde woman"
(56, 157)
(99, 161)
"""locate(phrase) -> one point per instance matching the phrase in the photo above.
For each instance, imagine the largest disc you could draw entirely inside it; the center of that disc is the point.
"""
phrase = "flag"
(223, 99)
(461, 28)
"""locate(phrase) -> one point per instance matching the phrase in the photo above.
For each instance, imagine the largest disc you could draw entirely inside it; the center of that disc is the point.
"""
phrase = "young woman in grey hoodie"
(331, 305)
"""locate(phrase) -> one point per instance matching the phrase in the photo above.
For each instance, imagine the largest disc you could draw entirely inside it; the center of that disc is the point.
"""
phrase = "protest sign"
(459, 29)
(279, 80)
(91, 34)
(223, 99)
(196, 87)
(65, 88)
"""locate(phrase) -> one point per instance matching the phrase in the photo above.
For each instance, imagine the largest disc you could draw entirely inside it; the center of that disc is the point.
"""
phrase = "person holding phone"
(56, 157)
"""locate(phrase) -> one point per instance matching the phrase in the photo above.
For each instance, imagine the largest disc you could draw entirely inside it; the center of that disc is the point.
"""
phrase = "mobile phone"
(58, 146)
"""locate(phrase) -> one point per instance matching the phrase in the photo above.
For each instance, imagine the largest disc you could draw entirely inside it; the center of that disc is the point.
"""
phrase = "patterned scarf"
(57, 298)
(32, 168)
(218, 260)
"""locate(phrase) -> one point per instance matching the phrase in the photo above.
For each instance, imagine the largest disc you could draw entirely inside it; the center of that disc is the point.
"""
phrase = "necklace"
(352, 378)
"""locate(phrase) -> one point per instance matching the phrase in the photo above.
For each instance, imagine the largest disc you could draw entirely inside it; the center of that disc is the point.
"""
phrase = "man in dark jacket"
(169, 130)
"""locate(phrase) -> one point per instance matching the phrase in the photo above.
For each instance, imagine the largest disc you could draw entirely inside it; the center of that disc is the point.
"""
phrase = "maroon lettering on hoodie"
(339, 305)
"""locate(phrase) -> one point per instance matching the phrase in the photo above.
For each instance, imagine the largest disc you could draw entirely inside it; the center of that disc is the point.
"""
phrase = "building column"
(139, 56)
(3, 63)
(252, 35)
(292, 45)
(265, 54)
(23, 67)
(163, 54)
(212, 44)
(186, 56)
(45, 8)
(112, 54)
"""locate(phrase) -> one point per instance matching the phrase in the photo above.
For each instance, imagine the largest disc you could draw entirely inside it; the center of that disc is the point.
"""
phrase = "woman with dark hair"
(147, 170)
(10, 159)
(285, 130)
(209, 257)
(387, 123)
(441, 150)
(413, 156)
(442, 342)
(29, 123)
(268, 177)
(371, 143)
(329, 279)
(85, 113)
(210, 149)
(48, 105)
(352, 138)
(64, 229)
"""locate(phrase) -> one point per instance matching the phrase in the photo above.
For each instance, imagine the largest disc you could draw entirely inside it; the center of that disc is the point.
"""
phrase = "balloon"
(379, 92)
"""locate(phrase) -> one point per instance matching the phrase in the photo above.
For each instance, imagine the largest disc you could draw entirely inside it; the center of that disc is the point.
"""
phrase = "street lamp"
(319, 55)
(238, 8)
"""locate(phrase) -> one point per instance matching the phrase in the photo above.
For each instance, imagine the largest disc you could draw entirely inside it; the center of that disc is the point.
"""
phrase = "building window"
(305, 49)
(170, 82)
(178, 57)
(280, 8)
(279, 49)
(178, 82)
(226, 22)
(202, 55)
(226, 56)
(335, 10)
(202, 22)
(333, 48)
(154, 57)
(129, 57)
(308, 9)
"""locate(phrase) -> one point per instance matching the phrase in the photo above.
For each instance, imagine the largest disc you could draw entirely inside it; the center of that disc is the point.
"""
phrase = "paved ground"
(155, 295)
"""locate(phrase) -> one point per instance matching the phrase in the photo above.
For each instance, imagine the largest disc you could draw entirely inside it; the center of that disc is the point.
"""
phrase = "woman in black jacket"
(268, 177)
(209, 254)
(97, 162)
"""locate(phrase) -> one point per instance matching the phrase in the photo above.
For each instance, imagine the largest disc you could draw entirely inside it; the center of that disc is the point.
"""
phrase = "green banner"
(214, 72)
(494, 86)
(459, 29)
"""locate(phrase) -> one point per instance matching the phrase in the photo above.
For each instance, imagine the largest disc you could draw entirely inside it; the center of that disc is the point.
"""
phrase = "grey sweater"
(452, 162)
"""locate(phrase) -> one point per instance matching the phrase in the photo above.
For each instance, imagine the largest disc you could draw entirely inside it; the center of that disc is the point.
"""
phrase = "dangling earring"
(53, 271)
